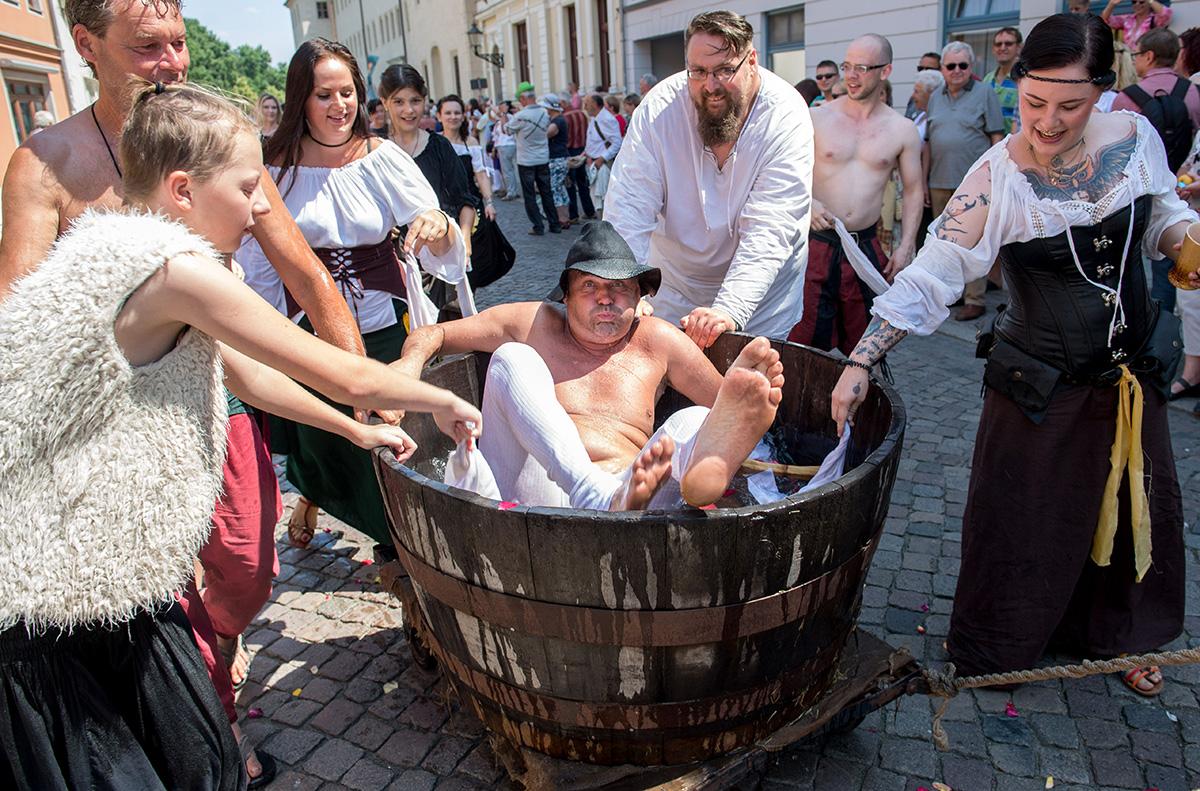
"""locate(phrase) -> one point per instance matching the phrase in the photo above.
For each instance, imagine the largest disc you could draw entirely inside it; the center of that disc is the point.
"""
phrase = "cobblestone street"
(333, 697)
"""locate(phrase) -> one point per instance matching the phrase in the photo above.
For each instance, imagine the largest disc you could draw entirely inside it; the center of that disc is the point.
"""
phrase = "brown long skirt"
(1027, 579)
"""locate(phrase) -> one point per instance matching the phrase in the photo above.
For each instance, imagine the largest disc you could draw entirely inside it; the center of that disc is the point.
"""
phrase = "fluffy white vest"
(108, 474)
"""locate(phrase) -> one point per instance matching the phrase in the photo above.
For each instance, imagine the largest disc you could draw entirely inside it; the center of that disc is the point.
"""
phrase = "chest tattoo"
(1090, 179)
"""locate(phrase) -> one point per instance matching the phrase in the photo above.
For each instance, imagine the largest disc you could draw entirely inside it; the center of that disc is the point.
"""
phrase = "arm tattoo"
(1090, 179)
(876, 341)
(950, 226)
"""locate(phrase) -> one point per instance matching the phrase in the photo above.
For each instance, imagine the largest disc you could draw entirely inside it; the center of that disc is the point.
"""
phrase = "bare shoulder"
(902, 127)
(662, 338)
(518, 319)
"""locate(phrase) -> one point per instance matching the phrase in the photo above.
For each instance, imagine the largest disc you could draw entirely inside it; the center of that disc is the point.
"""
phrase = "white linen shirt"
(355, 205)
(734, 238)
(603, 123)
(917, 301)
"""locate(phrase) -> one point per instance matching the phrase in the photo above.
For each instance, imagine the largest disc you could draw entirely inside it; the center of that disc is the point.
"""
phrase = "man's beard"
(722, 128)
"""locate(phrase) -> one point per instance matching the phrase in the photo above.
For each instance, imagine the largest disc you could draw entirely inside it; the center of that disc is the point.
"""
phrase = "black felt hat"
(601, 251)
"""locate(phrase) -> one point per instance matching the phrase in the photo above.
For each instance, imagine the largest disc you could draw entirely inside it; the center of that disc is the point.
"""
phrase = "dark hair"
(464, 130)
(598, 99)
(473, 104)
(1012, 31)
(808, 89)
(827, 63)
(401, 75)
(374, 105)
(1163, 43)
(1189, 41)
(283, 147)
(732, 28)
(1068, 40)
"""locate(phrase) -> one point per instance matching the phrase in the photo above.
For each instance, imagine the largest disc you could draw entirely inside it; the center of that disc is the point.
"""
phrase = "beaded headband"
(1020, 70)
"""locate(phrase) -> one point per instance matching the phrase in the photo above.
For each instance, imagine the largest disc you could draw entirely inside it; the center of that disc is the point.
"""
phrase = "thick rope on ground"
(946, 684)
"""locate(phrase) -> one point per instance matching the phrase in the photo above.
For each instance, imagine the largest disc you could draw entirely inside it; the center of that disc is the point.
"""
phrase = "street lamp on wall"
(475, 37)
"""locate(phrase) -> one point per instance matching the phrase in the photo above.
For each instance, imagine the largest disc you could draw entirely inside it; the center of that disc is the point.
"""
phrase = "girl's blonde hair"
(177, 127)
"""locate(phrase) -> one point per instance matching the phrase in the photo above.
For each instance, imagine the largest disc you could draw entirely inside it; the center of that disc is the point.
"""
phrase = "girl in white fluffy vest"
(112, 434)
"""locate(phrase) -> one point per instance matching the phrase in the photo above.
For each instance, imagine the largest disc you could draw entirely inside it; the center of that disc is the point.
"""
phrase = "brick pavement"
(340, 705)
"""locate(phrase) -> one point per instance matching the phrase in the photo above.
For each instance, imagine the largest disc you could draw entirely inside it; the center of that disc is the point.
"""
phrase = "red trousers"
(836, 301)
(239, 559)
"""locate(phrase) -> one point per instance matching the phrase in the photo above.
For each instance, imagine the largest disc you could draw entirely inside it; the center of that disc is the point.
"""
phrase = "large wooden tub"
(651, 637)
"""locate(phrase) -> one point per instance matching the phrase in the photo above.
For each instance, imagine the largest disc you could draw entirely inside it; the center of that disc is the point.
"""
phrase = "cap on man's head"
(550, 102)
(524, 88)
(602, 252)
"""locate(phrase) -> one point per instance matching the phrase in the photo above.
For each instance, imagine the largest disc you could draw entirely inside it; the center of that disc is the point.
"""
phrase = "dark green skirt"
(333, 472)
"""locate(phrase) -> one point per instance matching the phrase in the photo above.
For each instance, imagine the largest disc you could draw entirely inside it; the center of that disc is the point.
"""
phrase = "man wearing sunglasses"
(965, 120)
(826, 76)
(713, 187)
(1006, 46)
(858, 141)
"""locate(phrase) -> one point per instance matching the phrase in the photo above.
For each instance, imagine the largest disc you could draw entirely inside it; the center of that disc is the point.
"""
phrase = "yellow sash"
(1126, 452)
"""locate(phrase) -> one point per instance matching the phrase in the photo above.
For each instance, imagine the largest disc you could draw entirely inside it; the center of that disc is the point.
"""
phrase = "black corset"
(1060, 318)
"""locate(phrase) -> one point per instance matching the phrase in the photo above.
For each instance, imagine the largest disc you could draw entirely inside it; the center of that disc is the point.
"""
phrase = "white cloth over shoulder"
(917, 301)
(733, 238)
(356, 205)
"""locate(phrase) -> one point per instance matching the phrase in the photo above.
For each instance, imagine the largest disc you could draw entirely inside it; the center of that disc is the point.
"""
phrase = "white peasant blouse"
(918, 299)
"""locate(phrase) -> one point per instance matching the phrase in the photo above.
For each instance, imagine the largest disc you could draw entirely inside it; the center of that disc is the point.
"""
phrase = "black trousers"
(125, 707)
(535, 181)
(577, 184)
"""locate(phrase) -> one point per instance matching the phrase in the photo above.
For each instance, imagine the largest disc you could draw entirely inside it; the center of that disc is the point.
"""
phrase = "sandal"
(1189, 390)
(1134, 678)
(267, 775)
(230, 656)
(302, 524)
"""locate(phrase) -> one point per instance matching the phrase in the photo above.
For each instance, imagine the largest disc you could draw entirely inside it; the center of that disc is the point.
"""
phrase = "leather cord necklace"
(104, 137)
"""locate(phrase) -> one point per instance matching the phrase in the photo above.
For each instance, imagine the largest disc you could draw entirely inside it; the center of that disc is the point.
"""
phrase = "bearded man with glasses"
(713, 187)
(965, 120)
(859, 142)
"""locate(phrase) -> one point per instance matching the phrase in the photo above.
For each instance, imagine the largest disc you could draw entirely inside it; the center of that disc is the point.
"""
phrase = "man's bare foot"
(744, 410)
(650, 470)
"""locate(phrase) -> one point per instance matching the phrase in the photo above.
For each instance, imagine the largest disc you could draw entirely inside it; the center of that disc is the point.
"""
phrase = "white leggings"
(534, 449)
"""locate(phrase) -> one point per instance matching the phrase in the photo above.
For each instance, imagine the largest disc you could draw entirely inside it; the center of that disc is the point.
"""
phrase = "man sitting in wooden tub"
(568, 407)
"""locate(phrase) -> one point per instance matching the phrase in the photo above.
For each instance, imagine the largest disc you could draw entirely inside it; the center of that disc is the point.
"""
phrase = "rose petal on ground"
(1011, 711)
(254, 714)
(296, 692)
(505, 505)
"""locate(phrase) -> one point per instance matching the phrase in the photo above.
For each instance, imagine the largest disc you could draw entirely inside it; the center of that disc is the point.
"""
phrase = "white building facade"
(551, 43)
(792, 38)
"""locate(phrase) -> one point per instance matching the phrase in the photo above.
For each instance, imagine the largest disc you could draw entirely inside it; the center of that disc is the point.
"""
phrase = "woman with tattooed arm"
(1073, 473)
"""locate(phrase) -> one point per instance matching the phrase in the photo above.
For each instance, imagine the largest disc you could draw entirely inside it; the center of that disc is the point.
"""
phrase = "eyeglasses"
(953, 66)
(927, 68)
(858, 68)
(723, 73)
(1004, 44)
(828, 76)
